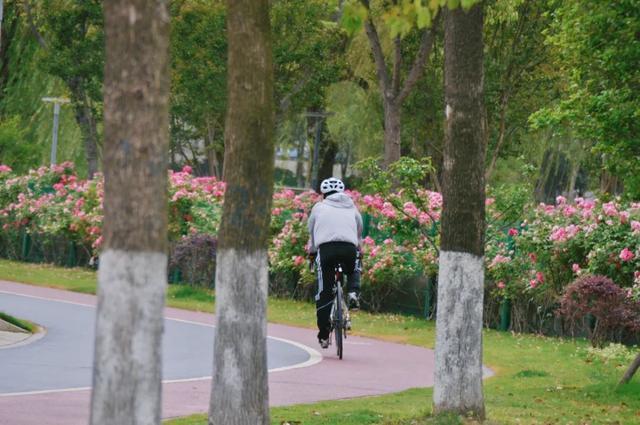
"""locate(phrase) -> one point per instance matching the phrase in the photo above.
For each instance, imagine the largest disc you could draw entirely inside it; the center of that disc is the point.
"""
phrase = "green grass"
(22, 324)
(538, 380)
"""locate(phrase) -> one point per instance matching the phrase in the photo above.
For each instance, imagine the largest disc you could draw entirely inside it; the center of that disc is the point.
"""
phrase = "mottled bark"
(240, 388)
(464, 148)
(458, 376)
(132, 276)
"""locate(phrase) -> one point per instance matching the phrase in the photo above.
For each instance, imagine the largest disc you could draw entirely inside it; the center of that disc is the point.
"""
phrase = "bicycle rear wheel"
(339, 322)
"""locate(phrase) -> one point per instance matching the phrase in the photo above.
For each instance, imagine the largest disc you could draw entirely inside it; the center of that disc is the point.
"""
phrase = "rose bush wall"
(531, 257)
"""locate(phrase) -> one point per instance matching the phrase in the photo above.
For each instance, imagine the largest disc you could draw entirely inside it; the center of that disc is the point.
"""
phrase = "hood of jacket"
(339, 200)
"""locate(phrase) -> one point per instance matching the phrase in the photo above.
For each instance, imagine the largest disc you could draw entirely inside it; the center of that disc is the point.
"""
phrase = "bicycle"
(339, 317)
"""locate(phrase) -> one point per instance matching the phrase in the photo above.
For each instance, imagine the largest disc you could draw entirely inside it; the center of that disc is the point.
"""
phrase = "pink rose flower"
(533, 283)
(298, 260)
(368, 241)
(513, 232)
(626, 254)
(560, 200)
(5, 168)
(501, 285)
(610, 209)
(539, 277)
(624, 217)
(576, 268)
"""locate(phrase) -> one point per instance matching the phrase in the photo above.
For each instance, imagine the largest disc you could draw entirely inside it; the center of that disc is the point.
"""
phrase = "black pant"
(331, 254)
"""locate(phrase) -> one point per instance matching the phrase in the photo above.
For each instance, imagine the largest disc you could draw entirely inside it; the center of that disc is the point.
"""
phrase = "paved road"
(46, 382)
(68, 344)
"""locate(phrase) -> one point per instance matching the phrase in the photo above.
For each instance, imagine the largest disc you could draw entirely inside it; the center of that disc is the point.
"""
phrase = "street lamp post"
(57, 101)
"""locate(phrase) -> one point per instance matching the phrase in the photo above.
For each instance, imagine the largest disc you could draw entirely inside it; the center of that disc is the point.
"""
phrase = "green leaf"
(453, 4)
(467, 4)
(424, 17)
(353, 17)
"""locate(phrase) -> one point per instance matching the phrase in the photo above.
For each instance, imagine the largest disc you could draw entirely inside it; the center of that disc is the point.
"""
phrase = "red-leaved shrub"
(600, 298)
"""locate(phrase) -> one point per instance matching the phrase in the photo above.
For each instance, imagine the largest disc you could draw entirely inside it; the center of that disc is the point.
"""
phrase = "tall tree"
(393, 89)
(198, 80)
(600, 80)
(132, 277)
(458, 375)
(73, 51)
(240, 388)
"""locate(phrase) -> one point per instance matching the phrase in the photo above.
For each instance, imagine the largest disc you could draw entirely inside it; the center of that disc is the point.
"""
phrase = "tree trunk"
(391, 132)
(87, 123)
(458, 375)
(240, 388)
(302, 142)
(633, 367)
(132, 277)
(501, 135)
(212, 155)
(327, 161)
(392, 91)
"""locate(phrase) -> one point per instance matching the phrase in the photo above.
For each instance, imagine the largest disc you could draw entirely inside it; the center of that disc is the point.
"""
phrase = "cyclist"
(335, 229)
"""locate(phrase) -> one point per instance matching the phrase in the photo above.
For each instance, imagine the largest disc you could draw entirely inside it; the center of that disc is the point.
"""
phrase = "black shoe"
(353, 301)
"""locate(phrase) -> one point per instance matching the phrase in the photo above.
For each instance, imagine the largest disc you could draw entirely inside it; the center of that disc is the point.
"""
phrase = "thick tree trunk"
(391, 132)
(240, 388)
(458, 375)
(633, 367)
(132, 277)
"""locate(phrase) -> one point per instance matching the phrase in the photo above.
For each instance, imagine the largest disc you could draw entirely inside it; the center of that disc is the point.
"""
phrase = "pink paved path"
(369, 367)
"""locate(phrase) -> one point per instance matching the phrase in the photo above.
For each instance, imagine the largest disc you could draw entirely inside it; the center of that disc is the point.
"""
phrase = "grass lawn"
(538, 380)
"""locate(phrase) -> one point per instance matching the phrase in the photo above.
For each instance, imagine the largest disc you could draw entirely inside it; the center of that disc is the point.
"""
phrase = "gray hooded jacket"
(335, 219)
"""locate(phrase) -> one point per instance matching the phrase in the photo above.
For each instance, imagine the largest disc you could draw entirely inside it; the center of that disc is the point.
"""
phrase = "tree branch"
(32, 24)
(426, 44)
(397, 63)
(378, 55)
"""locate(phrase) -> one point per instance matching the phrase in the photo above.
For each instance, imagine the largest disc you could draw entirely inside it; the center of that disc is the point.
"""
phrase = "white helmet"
(331, 184)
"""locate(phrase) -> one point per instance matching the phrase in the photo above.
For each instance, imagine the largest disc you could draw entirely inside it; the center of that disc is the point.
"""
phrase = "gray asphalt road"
(63, 357)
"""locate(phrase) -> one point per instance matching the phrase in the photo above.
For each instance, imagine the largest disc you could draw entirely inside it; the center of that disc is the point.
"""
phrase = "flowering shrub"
(554, 244)
(532, 254)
